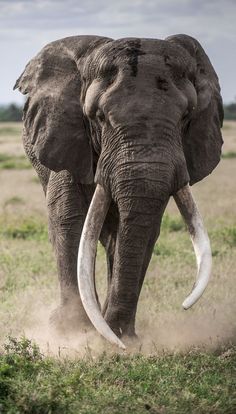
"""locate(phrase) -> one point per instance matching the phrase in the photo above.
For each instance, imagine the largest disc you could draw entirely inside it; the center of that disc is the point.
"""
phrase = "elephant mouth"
(87, 252)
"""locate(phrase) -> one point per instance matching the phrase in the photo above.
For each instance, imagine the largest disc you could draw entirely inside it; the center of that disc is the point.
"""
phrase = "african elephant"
(113, 129)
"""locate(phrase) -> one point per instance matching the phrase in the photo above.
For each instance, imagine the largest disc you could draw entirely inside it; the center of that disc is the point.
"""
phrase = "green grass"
(162, 249)
(229, 155)
(229, 235)
(23, 269)
(15, 200)
(11, 162)
(224, 237)
(195, 382)
(28, 283)
(169, 226)
(172, 223)
(30, 228)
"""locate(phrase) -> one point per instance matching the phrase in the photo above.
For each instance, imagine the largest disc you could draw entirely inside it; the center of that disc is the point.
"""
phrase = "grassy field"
(183, 361)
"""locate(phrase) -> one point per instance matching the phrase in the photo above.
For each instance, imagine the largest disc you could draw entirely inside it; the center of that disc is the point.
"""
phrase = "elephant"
(114, 128)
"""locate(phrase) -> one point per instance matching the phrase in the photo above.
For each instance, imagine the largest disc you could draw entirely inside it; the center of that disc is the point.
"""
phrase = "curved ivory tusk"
(86, 260)
(200, 240)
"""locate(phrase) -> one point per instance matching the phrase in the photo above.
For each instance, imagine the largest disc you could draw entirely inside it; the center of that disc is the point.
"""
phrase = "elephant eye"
(100, 116)
(108, 73)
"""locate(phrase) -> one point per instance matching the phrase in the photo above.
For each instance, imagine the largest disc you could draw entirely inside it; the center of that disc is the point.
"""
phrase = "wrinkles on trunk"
(137, 235)
(140, 153)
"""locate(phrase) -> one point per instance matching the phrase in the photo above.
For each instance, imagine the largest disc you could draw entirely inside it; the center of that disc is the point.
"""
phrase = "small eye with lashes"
(100, 116)
(108, 73)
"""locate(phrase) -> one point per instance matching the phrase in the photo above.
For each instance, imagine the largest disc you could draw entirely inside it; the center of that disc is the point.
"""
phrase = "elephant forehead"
(149, 54)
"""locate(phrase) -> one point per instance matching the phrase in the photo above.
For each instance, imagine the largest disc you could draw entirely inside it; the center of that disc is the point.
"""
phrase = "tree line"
(13, 112)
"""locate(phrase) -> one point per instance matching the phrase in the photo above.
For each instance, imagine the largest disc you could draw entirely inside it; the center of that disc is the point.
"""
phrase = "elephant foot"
(121, 328)
(131, 341)
(69, 317)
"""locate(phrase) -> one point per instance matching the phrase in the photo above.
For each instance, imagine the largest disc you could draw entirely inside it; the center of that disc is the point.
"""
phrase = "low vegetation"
(7, 130)
(230, 111)
(194, 382)
(230, 154)
(171, 223)
(11, 162)
(10, 113)
(30, 228)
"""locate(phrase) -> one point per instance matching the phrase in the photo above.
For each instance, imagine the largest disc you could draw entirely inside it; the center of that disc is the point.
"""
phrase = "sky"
(27, 25)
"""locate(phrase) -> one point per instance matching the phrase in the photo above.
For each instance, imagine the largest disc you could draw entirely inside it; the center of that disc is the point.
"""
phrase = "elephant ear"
(202, 139)
(53, 116)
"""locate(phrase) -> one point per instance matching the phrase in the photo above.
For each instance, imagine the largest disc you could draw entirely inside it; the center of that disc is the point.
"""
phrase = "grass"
(10, 130)
(228, 235)
(27, 282)
(162, 249)
(194, 382)
(172, 223)
(15, 200)
(229, 155)
(11, 162)
(30, 228)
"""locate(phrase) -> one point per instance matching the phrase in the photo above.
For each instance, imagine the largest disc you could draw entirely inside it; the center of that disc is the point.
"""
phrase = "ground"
(184, 361)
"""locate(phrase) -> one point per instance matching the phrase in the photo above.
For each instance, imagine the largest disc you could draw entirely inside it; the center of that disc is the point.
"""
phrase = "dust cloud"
(205, 328)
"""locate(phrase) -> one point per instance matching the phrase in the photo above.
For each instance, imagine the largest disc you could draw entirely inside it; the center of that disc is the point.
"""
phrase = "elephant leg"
(67, 207)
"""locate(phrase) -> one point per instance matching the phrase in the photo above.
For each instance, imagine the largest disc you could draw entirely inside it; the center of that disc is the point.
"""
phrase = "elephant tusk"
(200, 240)
(86, 260)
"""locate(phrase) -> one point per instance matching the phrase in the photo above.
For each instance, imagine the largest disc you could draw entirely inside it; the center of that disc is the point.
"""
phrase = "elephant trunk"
(138, 231)
(86, 260)
(200, 240)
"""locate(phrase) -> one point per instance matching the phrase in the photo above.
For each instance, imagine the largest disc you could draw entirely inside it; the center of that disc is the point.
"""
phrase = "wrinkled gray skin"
(141, 117)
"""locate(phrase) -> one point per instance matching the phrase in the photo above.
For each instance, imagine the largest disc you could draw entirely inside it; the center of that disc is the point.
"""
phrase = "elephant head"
(141, 118)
